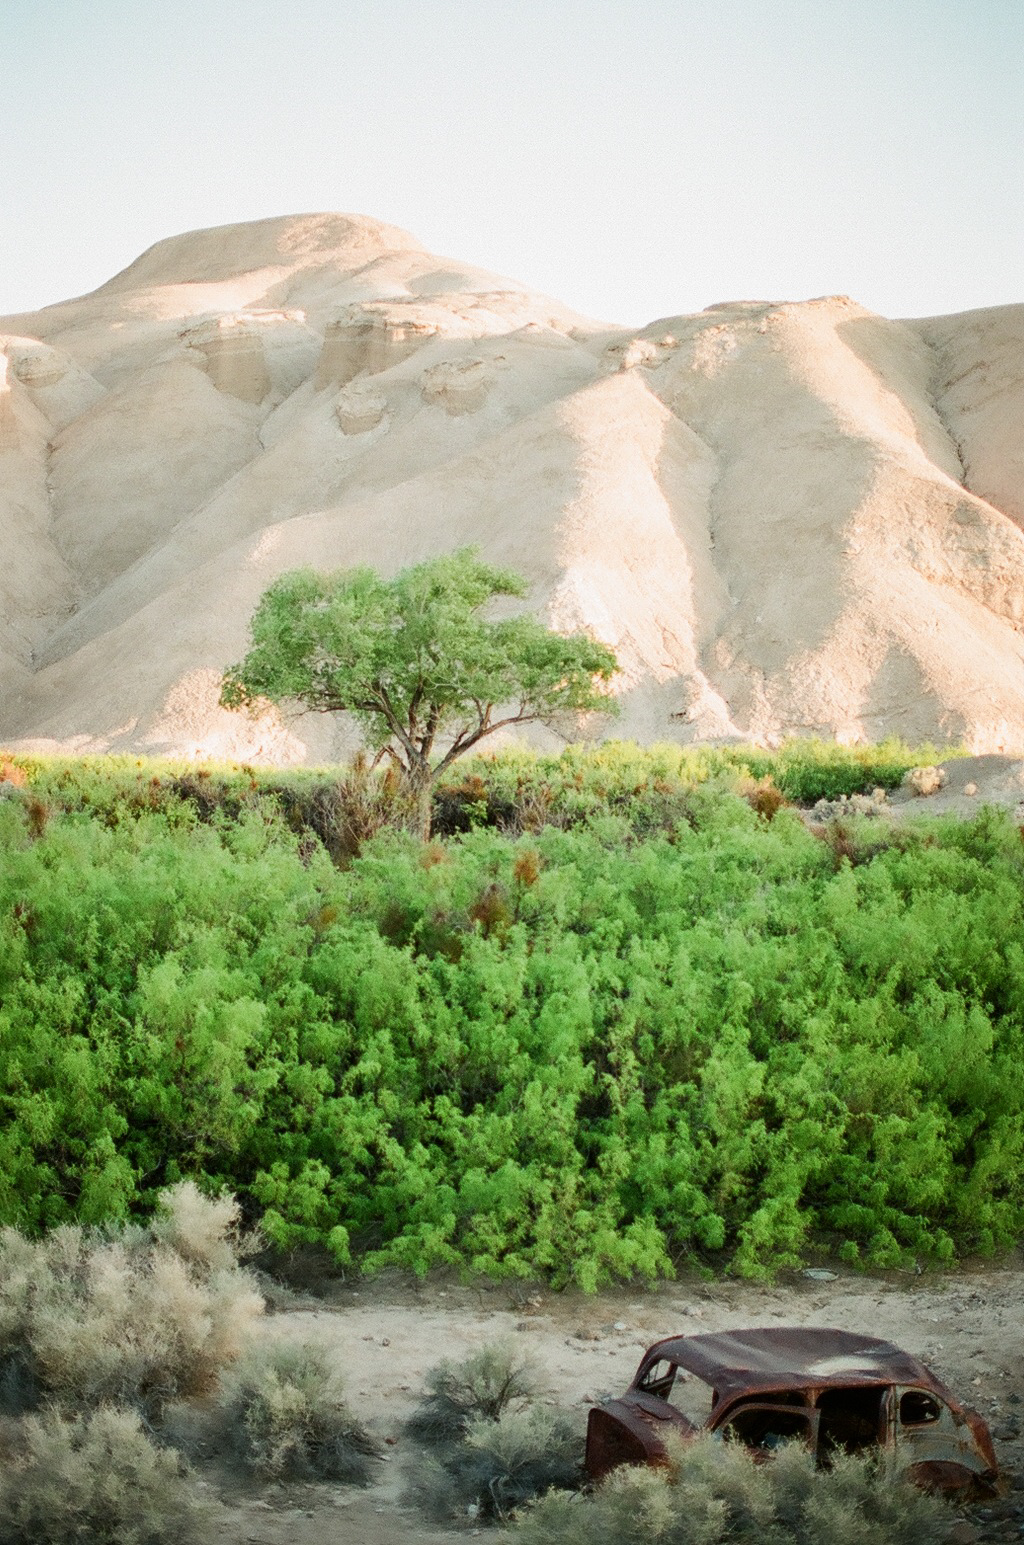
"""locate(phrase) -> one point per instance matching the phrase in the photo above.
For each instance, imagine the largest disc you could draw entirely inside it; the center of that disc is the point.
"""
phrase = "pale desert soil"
(967, 1325)
(992, 780)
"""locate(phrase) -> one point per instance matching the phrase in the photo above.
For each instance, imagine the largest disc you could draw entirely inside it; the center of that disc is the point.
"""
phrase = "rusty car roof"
(798, 1356)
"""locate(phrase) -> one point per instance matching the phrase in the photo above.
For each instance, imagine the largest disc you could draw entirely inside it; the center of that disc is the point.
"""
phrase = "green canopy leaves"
(412, 659)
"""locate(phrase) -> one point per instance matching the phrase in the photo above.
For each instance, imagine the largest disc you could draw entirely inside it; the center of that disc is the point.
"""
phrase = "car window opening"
(918, 1409)
(768, 1427)
(689, 1395)
(659, 1378)
(851, 1420)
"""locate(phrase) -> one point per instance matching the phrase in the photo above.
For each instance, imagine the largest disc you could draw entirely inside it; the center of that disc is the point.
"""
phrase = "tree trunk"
(424, 810)
(421, 789)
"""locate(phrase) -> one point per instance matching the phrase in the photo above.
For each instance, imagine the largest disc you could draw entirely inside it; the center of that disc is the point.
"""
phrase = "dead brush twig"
(488, 1382)
(345, 813)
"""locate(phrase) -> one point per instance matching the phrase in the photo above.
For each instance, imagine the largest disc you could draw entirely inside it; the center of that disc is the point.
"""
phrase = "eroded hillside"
(785, 518)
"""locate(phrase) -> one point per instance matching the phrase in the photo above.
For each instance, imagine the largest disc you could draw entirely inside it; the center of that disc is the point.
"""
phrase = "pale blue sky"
(635, 159)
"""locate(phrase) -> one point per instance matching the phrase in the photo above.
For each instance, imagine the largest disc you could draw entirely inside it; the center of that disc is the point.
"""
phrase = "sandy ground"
(966, 1325)
(990, 780)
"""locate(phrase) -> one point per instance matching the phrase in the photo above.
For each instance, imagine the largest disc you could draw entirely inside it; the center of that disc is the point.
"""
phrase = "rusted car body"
(830, 1389)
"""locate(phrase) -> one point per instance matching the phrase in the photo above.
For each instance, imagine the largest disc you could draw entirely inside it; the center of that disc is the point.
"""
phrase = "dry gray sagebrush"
(491, 1448)
(486, 1383)
(284, 1415)
(712, 1493)
(133, 1315)
(497, 1467)
(95, 1480)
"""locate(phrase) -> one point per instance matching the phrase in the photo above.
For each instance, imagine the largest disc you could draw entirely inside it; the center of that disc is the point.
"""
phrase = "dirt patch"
(969, 783)
(966, 1326)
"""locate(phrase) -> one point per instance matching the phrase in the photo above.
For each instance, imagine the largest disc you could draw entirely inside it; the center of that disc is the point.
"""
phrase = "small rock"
(639, 352)
(619, 1325)
(693, 1312)
(819, 1274)
(970, 788)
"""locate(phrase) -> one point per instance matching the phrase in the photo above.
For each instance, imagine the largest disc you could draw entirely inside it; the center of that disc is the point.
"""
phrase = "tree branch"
(465, 740)
(433, 719)
(414, 703)
(386, 709)
(387, 750)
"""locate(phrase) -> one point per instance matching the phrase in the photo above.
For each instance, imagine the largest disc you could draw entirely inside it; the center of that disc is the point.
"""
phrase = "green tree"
(411, 658)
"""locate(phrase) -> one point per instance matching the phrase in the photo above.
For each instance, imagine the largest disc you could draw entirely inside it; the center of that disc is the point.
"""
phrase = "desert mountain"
(785, 518)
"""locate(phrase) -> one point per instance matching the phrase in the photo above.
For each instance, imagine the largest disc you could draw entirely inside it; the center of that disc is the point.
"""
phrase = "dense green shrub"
(651, 787)
(807, 770)
(650, 1026)
(516, 791)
